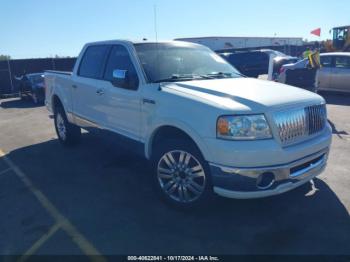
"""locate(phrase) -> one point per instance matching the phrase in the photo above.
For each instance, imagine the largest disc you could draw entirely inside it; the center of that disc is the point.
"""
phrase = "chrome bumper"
(241, 183)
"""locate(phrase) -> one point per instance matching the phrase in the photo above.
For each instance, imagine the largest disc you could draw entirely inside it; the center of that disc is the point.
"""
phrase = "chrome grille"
(316, 118)
(298, 124)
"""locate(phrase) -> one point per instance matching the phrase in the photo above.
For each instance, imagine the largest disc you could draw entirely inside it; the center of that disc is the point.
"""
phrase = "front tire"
(181, 175)
(68, 134)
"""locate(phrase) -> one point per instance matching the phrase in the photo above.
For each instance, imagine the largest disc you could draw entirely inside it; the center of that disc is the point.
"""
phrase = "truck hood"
(243, 93)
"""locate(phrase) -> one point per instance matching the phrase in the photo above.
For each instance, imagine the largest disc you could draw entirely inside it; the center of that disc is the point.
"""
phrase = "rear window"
(36, 79)
(93, 61)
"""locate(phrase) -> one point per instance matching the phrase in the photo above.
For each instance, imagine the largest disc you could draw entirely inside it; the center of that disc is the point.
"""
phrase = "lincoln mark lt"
(204, 127)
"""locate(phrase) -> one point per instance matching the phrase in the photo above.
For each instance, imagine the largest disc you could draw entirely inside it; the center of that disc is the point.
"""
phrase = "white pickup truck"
(204, 127)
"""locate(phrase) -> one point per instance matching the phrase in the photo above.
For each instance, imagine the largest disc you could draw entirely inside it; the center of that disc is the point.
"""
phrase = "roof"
(249, 37)
(109, 42)
(175, 43)
(336, 53)
(339, 27)
(35, 74)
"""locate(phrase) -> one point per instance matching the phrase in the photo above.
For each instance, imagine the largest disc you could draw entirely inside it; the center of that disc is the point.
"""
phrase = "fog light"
(265, 180)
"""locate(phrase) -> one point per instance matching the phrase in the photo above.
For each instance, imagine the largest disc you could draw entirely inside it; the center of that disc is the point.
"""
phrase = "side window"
(119, 58)
(253, 58)
(326, 61)
(249, 58)
(92, 63)
(235, 59)
(342, 62)
(262, 58)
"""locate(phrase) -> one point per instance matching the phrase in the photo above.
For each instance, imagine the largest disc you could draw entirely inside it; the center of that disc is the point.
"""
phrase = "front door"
(122, 104)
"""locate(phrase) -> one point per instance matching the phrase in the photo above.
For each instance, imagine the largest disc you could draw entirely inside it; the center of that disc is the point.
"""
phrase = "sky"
(40, 28)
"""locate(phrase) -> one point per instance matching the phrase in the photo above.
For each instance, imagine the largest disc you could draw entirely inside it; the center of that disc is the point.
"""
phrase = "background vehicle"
(32, 85)
(341, 39)
(220, 43)
(334, 75)
(203, 126)
(291, 66)
(255, 63)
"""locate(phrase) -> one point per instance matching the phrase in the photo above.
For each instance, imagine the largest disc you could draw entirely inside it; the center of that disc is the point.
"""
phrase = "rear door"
(341, 73)
(87, 86)
(324, 74)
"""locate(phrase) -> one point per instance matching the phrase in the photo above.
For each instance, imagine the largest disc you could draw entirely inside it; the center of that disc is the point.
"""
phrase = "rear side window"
(342, 62)
(252, 58)
(236, 59)
(93, 61)
(258, 57)
(119, 58)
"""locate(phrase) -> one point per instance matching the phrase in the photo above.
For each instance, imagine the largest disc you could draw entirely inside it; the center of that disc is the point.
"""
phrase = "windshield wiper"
(185, 77)
(223, 75)
(188, 77)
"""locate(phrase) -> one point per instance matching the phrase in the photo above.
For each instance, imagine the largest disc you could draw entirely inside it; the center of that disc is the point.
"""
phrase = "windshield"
(179, 61)
(36, 79)
(274, 52)
(302, 63)
(277, 53)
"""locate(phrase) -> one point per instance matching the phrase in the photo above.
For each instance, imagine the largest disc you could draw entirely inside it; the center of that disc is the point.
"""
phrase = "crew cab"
(205, 127)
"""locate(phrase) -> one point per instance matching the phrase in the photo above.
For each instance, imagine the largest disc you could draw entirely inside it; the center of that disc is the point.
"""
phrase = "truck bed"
(58, 82)
(59, 72)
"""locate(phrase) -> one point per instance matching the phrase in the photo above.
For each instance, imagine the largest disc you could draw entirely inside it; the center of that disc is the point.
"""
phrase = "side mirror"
(120, 78)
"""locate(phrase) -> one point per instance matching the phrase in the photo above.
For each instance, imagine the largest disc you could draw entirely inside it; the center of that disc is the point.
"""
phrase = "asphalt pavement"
(97, 198)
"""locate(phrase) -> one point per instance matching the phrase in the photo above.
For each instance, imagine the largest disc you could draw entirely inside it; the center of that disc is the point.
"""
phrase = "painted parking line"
(5, 171)
(39, 243)
(86, 247)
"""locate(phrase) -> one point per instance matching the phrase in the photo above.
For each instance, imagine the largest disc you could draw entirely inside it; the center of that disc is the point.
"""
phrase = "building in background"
(220, 43)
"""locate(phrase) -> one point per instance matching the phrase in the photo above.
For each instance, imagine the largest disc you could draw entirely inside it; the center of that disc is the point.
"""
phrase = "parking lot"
(97, 199)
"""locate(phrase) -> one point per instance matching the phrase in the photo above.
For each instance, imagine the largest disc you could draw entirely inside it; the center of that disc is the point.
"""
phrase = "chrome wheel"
(181, 176)
(61, 127)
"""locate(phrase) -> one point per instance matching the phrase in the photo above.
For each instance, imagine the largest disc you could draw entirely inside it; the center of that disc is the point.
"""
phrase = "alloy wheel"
(61, 127)
(181, 176)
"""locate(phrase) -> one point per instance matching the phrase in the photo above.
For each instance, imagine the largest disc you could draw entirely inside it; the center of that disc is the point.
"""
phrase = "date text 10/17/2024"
(173, 258)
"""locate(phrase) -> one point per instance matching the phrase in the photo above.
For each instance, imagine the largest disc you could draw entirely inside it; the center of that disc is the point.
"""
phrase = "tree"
(5, 57)
(60, 56)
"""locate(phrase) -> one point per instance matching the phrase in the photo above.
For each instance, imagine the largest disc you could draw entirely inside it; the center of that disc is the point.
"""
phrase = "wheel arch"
(167, 131)
(56, 101)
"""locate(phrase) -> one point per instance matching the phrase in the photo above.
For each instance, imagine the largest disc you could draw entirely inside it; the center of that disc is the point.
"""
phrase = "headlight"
(244, 127)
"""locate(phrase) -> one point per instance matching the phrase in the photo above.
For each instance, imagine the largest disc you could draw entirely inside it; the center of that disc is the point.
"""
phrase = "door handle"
(148, 101)
(74, 86)
(100, 92)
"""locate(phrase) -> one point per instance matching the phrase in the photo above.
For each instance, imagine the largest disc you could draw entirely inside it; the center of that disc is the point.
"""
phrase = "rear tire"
(68, 134)
(181, 175)
(22, 96)
(35, 98)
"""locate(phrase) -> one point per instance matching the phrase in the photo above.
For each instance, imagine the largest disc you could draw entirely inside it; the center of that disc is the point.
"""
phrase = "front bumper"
(243, 183)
